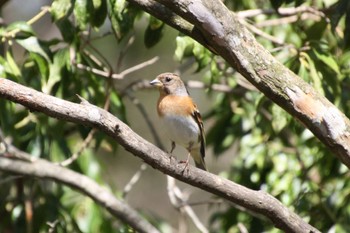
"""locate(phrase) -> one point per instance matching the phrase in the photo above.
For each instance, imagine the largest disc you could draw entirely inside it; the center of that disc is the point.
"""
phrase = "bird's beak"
(156, 83)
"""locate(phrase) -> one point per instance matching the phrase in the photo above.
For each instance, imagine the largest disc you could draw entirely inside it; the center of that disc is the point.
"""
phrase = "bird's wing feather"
(197, 117)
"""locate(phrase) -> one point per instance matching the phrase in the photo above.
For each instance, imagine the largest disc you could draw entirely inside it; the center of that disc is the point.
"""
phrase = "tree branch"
(281, 11)
(226, 36)
(90, 115)
(169, 17)
(46, 170)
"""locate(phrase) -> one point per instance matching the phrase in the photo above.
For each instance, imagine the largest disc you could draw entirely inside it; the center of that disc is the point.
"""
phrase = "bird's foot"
(171, 156)
(186, 167)
(173, 145)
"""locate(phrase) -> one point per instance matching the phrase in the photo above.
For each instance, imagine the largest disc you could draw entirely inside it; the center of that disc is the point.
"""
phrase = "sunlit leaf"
(61, 9)
(33, 45)
(327, 60)
(82, 12)
(202, 55)
(184, 46)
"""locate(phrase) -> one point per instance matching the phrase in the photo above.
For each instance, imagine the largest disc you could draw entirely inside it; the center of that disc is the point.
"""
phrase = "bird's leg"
(173, 145)
(187, 161)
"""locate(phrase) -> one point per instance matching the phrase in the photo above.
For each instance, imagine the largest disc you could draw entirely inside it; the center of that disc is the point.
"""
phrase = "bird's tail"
(198, 159)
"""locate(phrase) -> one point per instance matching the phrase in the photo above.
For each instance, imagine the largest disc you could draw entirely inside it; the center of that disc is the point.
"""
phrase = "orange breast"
(175, 105)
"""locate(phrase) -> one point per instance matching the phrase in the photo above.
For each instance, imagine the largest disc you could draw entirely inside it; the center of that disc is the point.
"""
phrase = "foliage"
(272, 151)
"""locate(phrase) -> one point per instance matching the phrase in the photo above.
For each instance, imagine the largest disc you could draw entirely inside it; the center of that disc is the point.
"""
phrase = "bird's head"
(170, 84)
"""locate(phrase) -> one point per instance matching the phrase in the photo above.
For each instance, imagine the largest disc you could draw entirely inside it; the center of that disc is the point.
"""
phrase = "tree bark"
(43, 169)
(90, 115)
(213, 25)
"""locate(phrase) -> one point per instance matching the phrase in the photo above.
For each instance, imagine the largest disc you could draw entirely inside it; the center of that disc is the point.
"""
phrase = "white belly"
(181, 130)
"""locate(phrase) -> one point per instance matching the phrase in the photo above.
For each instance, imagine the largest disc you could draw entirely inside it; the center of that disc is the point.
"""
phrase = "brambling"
(180, 117)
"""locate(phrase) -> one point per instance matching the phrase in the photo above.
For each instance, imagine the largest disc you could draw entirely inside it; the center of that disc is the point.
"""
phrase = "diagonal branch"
(225, 35)
(45, 170)
(169, 17)
(90, 115)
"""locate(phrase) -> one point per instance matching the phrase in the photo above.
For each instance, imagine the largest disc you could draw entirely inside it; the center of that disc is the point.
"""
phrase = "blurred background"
(250, 140)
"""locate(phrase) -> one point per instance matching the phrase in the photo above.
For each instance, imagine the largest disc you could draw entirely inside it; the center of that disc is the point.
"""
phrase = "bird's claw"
(186, 167)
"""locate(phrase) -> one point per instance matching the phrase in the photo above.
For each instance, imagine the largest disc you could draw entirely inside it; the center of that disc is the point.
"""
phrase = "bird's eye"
(168, 79)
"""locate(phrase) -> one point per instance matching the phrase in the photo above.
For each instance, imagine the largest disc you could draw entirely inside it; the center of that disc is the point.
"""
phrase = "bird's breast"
(181, 129)
(175, 105)
(176, 114)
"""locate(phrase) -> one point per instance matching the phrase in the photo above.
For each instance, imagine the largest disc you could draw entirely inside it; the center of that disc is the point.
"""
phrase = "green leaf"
(314, 75)
(33, 45)
(184, 47)
(316, 31)
(82, 12)
(279, 118)
(339, 9)
(43, 66)
(61, 9)
(202, 55)
(154, 32)
(99, 13)
(21, 26)
(59, 61)
(11, 66)
(122, 17)
(68, 31)
(328, 60)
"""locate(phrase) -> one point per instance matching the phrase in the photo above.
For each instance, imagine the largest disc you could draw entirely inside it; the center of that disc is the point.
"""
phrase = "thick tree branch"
(90, 115)
(225, 35)
(45, 170)
(169, 17)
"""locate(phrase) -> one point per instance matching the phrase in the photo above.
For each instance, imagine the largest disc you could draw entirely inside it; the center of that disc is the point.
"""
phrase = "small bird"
(181, 119)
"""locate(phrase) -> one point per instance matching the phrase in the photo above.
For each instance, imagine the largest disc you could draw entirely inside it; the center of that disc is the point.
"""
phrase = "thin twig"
(123, 52)
(242, 228)
(9, 149)
(287, 20)
(52, 226)
(206, 202)
(82, 147)
(263, 34)
(178, 200)
(121, 75)
(135, 68)
(97, 61)
(194, 84)
(31, 21)
(145, 116)
(102, 73)
(10, 179)
(281, 11)
(88, 138)
(134, 179)
(103, 63)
